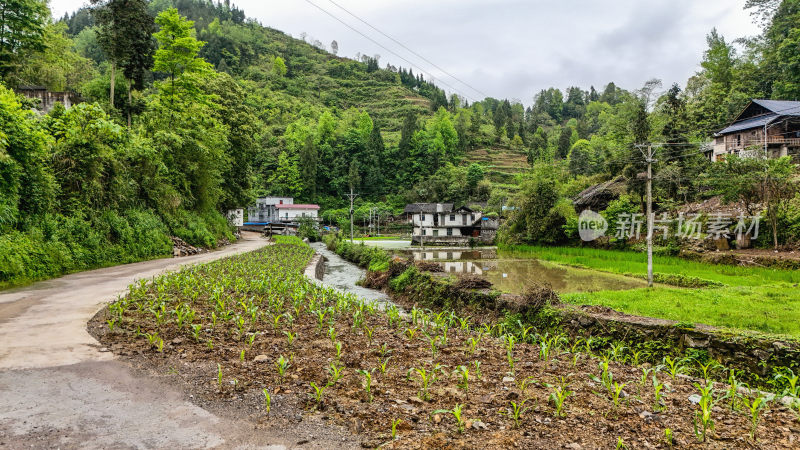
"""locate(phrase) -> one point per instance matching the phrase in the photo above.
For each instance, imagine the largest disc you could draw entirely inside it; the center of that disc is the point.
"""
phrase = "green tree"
(177, 57)
(308, 168)
(581, 161)
(279, 67)
(564, 142)
(475, 175)
(285, 180)
(22, 25)
(125, 33)
(27, 185)
(373, 171)
(57, 66)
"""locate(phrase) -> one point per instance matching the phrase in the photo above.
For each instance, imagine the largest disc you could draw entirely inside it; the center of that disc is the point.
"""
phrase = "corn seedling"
(111, 323)
(219, 375)
(674, 366)
(318, 392)
(282, 364)
(160, 345)
(332, 334)
(473, 345)
(395, 423)
(267, 400)
(384, 366)
(410, 332)
(334, 374)
(463, 372)
(456, 412)
(792, 381)
(668, 439)
(524, 384)
(477, 366)
(425, 379)
(369, 331)
(384, 350)
(290, 337)
(241, 356)
(616, 393)
(755, 408)
(559, 396)
(516, 410)
(621, 444)
(196, 328)
(658, 394)
(367, 383)
(732, 392)
(702, 419)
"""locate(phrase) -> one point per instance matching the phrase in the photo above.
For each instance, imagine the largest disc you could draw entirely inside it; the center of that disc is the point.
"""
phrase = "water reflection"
(513, 274)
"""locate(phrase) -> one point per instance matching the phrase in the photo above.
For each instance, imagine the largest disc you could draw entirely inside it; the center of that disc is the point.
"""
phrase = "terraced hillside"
(501, 164)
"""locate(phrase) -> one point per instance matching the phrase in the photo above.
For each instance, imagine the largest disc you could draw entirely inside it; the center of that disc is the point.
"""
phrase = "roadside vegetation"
(252, 330)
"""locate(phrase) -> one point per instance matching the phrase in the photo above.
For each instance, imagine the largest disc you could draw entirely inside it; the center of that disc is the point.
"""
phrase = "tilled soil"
(590, 420)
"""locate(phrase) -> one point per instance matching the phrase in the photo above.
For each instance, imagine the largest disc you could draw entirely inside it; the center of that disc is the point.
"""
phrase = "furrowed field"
(252, 331)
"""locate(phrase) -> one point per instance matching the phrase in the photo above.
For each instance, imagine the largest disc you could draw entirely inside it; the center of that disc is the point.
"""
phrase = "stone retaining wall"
(316, 268)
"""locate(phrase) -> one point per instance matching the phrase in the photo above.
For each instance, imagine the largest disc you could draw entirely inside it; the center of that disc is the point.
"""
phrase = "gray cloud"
(514, 48)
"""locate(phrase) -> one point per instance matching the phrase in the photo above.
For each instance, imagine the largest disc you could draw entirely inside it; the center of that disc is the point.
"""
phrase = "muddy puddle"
(512, 274)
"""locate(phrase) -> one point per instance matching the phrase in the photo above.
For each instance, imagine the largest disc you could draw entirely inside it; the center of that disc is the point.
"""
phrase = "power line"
(385, 48)
(410, 50)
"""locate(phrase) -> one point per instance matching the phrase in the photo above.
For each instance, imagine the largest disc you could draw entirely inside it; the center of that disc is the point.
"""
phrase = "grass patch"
(745, 298)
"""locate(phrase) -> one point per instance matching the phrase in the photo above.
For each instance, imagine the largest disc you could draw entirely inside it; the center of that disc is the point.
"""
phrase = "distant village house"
(48, 99)
(280, 209)
(771, 127)
(440, 224)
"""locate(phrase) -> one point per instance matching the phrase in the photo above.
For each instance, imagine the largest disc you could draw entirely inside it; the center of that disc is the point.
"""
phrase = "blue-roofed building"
(770, 127)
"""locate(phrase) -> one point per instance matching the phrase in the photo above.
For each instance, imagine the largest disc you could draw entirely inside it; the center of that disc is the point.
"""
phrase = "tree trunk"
(113, 80)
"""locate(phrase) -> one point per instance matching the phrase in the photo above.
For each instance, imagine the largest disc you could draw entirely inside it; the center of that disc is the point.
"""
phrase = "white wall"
(292, 214)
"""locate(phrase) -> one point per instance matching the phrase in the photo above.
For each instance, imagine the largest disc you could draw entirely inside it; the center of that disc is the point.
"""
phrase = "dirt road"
(59, 388)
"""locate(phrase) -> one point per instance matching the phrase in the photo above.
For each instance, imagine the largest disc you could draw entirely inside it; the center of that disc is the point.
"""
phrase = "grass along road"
(748, 298)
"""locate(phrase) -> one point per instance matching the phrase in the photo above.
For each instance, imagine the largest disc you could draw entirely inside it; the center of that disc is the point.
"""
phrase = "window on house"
(436, 232)
(449, 231)
(424, 232)
(452, 217)
(472, 217)
(422, 217)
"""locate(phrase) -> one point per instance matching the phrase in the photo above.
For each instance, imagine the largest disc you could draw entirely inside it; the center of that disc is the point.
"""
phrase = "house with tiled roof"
(768, 127)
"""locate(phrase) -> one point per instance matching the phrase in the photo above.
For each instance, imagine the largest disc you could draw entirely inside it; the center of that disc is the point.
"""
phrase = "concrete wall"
(290, 215)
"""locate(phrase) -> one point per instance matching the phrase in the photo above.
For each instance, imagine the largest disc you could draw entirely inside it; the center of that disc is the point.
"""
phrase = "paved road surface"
(59, 390)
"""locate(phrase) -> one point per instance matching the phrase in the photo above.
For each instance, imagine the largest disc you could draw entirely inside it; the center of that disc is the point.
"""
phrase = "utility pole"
(649, 159)
(352, 196)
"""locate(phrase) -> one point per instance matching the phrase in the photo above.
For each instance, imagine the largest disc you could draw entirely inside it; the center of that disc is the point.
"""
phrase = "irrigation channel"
(344, 276)
(511, 272)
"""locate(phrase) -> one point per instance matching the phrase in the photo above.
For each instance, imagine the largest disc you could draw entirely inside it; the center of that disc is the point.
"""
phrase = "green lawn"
(757, 299)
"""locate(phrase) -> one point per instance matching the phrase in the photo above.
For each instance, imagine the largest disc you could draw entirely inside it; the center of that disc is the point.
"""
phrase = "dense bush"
(57, 244)
(366, 256)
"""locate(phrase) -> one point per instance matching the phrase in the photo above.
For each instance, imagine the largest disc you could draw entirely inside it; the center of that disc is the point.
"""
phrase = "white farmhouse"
(295, 212)
(439, 223)
(266, 209)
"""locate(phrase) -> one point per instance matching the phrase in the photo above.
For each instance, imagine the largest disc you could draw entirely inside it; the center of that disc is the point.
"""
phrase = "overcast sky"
(514, 48)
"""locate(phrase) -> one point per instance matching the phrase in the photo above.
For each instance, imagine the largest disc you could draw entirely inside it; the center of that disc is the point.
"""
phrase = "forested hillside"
(192, 108)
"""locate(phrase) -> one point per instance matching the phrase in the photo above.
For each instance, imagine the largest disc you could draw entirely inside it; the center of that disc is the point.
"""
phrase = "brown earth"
(591, 420)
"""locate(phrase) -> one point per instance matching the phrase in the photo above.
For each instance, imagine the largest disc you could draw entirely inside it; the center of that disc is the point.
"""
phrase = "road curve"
(59, 388)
